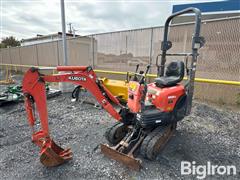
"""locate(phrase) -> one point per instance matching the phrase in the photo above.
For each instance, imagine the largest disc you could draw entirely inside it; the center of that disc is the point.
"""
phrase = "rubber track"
(145, 144)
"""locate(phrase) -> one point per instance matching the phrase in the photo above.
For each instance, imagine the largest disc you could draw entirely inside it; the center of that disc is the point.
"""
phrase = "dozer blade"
(54, 155)
(127, 160)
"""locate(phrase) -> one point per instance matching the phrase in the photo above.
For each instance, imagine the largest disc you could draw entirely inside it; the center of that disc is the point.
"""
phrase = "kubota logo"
(76, 78)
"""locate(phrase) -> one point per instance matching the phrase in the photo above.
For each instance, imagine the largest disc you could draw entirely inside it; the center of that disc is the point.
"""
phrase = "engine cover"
(165, 98)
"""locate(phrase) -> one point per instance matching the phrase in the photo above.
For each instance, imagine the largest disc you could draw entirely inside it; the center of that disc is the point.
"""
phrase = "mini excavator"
(144, 125)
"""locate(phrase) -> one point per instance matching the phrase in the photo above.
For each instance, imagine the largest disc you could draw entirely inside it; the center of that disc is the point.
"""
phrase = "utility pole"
(70, 28)
(65, 61)
(74, 32)
(126, 44)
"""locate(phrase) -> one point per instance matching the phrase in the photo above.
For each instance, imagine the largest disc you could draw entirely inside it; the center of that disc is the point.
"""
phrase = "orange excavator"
(144, 124)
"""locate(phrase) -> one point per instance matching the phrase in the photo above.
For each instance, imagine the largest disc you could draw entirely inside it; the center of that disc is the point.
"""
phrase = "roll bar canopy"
(197, 41)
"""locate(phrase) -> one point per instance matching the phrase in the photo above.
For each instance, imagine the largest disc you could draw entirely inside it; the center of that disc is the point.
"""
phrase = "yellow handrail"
(201, 80)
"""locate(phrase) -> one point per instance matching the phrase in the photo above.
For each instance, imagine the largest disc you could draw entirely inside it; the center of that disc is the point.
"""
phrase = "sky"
(27, 18)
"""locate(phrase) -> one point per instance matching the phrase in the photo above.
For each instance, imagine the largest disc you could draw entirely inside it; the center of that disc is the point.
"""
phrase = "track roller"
(156, 140)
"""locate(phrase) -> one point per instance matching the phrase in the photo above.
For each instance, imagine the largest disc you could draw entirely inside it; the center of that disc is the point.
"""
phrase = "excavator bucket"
(53, 155)
(127, 160)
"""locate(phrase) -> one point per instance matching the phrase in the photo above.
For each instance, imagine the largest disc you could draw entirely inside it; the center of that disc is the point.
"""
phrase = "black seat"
(174, 74)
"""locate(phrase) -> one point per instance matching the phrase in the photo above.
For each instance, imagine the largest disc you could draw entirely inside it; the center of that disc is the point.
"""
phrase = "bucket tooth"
(54, 155)
(125, 159)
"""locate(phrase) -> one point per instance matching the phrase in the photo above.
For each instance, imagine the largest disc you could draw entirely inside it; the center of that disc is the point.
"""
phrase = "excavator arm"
(35, 98)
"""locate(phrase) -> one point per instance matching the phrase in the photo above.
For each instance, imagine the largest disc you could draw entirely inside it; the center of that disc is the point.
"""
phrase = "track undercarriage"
(128, 141)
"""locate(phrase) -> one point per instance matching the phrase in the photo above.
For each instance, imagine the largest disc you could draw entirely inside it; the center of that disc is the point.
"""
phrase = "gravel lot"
(209, 134)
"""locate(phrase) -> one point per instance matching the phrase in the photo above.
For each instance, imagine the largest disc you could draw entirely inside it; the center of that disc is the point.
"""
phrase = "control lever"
(143, 77)
(148, 67)
(144, 92)
(137, 66)
(135, 76)
(127, 77)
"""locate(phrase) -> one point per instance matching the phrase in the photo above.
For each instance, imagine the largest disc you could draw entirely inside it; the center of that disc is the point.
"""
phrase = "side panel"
(164, 98)
(134, 96)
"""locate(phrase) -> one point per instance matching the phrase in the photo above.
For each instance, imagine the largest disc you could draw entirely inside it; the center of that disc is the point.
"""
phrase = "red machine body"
(134, 96)
(165, 98)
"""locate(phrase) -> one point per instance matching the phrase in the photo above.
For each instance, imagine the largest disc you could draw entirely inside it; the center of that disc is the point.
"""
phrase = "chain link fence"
(218, 59)
(123, 50)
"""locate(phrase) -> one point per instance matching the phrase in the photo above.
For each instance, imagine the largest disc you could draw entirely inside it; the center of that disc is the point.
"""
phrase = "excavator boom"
(35, 95)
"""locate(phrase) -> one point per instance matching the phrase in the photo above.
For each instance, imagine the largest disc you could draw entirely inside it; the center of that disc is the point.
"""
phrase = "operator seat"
(174, 74)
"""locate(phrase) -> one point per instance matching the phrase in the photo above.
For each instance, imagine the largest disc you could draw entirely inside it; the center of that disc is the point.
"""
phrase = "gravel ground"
(209, 134)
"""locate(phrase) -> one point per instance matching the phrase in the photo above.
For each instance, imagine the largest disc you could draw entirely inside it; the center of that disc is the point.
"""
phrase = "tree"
(9, 42)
